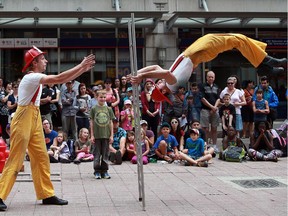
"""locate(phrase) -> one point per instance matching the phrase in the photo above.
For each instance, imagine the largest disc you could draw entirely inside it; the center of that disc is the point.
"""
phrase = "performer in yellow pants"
(205, 49)
(27, 122)
(26, 127)
(209, 46)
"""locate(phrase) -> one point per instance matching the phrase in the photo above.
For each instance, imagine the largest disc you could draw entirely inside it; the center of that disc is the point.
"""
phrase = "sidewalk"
(170, 189)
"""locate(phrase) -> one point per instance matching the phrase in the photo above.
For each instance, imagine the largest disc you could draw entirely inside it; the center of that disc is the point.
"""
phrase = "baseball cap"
(95, 88)
(129, 89)
(143, 122)
(165, 124)
(115, 119)
(149, 80)
(127, 102)
(195, 131)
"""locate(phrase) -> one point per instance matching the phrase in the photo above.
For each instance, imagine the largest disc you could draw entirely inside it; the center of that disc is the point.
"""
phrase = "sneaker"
(64, 160)
(112, 157)
(97, 175)
(3, 207)
(53, 159)
(86, 160)
(216, 150)
(202, 164)
(54, 201)
(272, 157)
(176, 162)
(77, 161)
(106, 176)
(187, 163)
(118, 157)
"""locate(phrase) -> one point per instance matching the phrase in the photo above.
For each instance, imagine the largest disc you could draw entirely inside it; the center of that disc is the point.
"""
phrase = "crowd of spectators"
(185, 129)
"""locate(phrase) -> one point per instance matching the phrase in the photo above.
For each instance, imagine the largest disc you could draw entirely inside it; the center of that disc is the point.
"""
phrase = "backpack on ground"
(234, 154)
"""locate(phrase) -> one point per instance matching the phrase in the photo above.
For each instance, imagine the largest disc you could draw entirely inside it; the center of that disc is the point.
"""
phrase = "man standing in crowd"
(68, 116)
(210, 93)
(45, 102)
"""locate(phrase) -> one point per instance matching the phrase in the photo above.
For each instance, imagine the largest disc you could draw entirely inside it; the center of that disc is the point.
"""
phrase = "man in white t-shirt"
(27, 131)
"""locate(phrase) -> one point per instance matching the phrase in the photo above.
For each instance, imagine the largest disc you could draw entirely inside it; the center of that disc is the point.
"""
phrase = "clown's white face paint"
(182, 69)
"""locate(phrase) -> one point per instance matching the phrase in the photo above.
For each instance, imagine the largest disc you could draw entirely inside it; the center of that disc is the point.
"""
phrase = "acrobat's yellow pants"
(27, 133)
(209, 46)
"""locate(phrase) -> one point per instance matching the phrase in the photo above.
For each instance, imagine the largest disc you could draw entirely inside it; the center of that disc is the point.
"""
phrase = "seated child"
(166, 145)
(59, 150)
(230, 140)
(194, 152)
(83, 147)
(262, 146)
(195, 124)
(130, 144)
(145, 149)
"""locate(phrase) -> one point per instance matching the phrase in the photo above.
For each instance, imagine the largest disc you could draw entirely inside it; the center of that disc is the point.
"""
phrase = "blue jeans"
(82, 123)
(196, 113)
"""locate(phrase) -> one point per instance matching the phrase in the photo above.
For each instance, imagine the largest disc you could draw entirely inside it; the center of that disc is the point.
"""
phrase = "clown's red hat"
(30, 55)
(158, 96)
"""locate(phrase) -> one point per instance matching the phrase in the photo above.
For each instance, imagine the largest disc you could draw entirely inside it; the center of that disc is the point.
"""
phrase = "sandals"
(168, 159)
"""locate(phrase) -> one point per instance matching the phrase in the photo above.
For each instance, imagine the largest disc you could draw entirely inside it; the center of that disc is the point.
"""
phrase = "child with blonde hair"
(101, 125)
(83, 147)
(127, 116)
(145, 149)
(59, 150)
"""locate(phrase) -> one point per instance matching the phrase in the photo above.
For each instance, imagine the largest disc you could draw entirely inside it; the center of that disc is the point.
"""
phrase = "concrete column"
(160, 39)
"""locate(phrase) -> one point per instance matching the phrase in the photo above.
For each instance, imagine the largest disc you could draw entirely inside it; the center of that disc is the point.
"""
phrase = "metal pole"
(133, 64)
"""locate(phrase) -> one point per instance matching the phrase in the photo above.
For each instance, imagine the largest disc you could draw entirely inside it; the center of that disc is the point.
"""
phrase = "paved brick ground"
(170, 189)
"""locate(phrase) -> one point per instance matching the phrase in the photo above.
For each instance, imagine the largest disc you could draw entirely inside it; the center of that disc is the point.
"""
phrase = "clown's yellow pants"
(27, 133)
(209, 46)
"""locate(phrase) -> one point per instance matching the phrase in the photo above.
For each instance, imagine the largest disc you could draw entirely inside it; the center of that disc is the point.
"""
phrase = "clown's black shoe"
(3, 207)
(54, 201)
(274, 62)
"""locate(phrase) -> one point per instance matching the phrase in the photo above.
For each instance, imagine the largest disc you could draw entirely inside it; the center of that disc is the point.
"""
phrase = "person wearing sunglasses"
(237, 99)
(177, 132)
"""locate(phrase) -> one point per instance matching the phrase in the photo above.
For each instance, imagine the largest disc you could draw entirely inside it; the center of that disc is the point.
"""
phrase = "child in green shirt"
(101, 134)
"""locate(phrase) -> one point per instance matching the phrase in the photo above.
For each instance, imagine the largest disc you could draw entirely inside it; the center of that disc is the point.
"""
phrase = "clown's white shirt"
(182, 72)
(28, 87)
